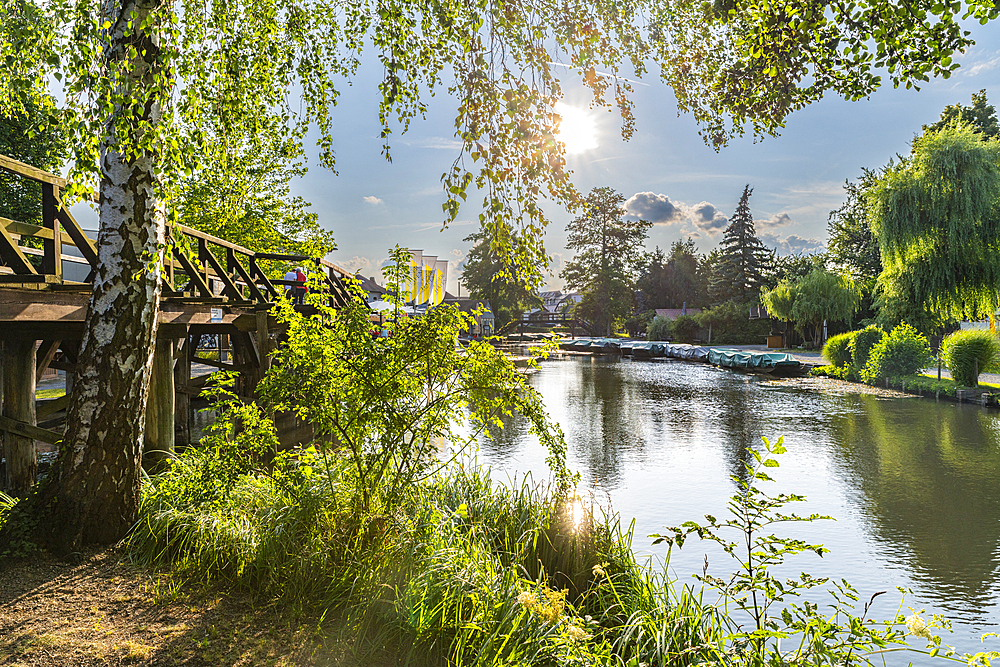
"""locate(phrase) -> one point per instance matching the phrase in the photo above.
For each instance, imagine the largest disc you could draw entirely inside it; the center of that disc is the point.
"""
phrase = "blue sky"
(669, 175)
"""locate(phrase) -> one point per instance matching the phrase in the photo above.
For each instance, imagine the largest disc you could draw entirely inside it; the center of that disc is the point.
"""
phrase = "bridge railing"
(200, 267)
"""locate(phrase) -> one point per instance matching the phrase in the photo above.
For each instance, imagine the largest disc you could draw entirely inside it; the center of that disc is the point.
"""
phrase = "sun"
(578, 129)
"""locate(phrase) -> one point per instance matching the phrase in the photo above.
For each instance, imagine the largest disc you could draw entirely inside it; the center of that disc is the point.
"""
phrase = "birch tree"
(137, 77)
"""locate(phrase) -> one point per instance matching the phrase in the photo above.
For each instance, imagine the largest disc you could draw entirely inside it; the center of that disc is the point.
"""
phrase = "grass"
(467, 571)
(50, 393)
(924, 382)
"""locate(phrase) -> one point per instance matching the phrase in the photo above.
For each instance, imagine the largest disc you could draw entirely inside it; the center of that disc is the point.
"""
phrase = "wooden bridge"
(212, 286)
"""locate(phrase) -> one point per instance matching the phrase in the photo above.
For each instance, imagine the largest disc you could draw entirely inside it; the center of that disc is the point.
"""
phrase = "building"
(485, 322)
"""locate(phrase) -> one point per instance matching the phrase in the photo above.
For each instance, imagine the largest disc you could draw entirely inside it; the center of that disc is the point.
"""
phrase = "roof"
(674, 313)
(468, 305)
(369, 285)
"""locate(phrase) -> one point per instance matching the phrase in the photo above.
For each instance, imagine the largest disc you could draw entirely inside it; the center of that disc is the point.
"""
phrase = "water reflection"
(927, 476)
(913, 482)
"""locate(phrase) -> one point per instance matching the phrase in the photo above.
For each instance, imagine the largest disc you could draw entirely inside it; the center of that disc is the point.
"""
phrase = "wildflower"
(576, 633)
(918, 627)
(527, 599)
(598, 570)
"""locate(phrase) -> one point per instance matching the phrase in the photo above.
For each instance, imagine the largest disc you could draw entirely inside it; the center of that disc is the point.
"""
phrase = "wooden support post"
(263, 341)
(46, 353)
(160, 406)
(52, 259)
(19, 404)
(182, 398)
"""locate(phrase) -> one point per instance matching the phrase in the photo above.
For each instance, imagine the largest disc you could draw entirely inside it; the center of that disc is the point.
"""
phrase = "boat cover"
(752, 359)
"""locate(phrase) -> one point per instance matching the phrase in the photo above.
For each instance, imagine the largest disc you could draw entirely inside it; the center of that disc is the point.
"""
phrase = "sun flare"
(578, 129)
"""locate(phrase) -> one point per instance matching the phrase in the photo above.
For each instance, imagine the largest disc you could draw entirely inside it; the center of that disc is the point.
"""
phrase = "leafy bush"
(685, 329)
(838, 349)
(969, 353)
(904, 351)
(863, 342)
(659, 329)
(730, 324)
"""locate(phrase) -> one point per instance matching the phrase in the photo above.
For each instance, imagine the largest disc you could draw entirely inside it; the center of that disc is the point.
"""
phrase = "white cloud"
(655, 208)
(982, 65)
(776, 220)
(793, 244)
(373, 200)
(660, 210)
(358, 263)
(444, 143)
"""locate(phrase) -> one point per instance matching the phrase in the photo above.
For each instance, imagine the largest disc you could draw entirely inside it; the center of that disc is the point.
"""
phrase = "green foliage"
(970, 352)
(981, 116)
(607, 246)
(863, 342)
(730, 324)
(743, 259)
(389, 401)
(685, 328)
(838, 349)
(509, 287)
(670, 281)
(823, 295)
(780, 300)
(240, 190)
(935, 219)
(852, 246)
(31, 135)
(754, 588)
(659, 329)
(903, 351)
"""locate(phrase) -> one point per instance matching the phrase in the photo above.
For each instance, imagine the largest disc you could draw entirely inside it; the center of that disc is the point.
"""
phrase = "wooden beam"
(29, 431)
(45, 408)
(19, 407)
(212, 362)
(12, 255)
(193, 274)
(234, 264)
(33, 173)
(230, 288)
(159, 432)
(44, 356)
(52, 259)
(80, 240)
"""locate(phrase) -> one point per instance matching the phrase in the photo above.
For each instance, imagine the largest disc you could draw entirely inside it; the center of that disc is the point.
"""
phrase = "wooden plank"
(234, 263)
(25, 430)
(42, 330)
(193, 274)
(33, 173)
(52, 259)
(159, 432)
(194, 233)
(45, 408)
(44, 356)
(19, 406)
(279, 257)
(80, 240)
(12, 255)
(25, 229)
(259, 276)
(212, 362)
(230, 288)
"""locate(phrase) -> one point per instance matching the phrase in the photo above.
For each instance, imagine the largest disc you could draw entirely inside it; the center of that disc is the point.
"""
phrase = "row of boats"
(775, 363)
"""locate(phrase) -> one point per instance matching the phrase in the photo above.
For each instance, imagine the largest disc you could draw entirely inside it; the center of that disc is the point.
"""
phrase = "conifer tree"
(739, 273)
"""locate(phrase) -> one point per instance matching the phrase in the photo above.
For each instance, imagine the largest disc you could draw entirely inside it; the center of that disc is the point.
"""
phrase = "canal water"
(914, 484)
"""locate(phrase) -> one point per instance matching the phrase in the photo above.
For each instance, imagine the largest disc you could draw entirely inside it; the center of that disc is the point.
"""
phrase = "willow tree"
(936, 220)
(136, 79)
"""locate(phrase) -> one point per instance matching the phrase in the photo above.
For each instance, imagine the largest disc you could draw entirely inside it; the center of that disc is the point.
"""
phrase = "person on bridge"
(300, 287)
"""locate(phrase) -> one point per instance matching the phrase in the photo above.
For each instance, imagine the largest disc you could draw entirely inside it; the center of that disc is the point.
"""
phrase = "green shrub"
(685, 329)
(904, 351)
(863, 342)
(659, 329)
(838, 349)
(969, 353)
(731, 324)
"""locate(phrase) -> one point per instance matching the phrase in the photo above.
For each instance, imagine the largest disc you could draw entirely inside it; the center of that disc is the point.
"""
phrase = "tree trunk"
(92, 493)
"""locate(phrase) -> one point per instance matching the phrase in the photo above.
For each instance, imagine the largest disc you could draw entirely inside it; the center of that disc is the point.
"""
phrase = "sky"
(669, 176)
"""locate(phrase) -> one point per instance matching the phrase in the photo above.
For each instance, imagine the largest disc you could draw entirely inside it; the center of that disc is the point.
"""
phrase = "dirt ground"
(103, 610)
